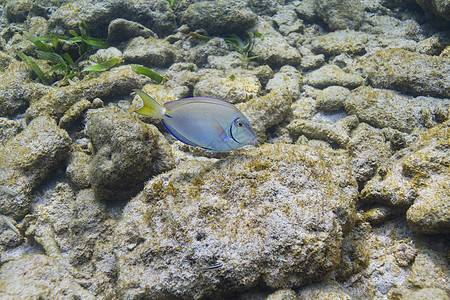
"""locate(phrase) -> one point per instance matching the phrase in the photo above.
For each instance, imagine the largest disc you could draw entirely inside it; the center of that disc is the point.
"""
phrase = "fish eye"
(239, 123)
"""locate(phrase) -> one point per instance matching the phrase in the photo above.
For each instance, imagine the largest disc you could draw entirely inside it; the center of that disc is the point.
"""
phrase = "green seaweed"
(172, 3)
(243, 44)
(103, 66)
(36, 69)
(51, 48)
(148, 72)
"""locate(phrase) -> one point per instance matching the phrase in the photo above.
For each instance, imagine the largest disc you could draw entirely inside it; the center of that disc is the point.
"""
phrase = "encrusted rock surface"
(126, 153)
(211, 225)
(27, 160)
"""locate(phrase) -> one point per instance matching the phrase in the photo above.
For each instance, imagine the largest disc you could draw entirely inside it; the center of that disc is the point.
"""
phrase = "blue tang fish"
(209, 123)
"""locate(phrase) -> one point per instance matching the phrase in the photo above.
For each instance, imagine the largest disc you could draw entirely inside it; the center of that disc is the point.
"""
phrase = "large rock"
(27, 160)
(341, 41)
(116, 82)
(271, 109)
(273, 49)
(333, 75)
(234, 89)
(219, 16)
(408, 72)
(15, 89)
(38, 276)
(368, 149)
(155, 15)
(340, 14)
(417, 182)
(440, 8)
(149, 52)
(385, 108)
(429, 170)
(127, 152)
(275, 215)
(404, 268)
(74, 229)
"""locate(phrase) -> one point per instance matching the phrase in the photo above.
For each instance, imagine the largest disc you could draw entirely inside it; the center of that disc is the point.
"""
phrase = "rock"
(342, 41)
(27, 160)
(397, 69)
(229, 62)
(233, 89)
(306, 9)
(149, 52)
(18, 10)
(117, 81)
(273, 49)
(428, 294)
(340, 14)
(332, 98)
(15, 90)
(430, 164)
(416, 182)
(8, 129)
(38, 275)
(332, 133)
(155, 15)
(127, 152)
(210, 225)
(74, 112)
(271, 109)
(405, 255)
(77, 169)
(439, 8)
(219, 16)
(368, 149)
(428, 273)
(287, 78)
(384, 108)
(430, 46)
(287, 22)
(283, 295)
(332, 75)
(121, 30)
(396, 32)
(74, 229)
(304, 108)
(200, 54)
(37, 26)
(309, 60)
(265, 7)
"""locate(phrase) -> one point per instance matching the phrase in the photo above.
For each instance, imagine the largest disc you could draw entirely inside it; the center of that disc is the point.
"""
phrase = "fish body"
(209, 123)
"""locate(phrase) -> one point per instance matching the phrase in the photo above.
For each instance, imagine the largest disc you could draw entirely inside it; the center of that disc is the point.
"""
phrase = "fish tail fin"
(149, 106)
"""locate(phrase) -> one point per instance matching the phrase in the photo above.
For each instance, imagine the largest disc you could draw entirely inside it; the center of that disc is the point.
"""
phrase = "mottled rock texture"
(219, 16)
(127, 152)
(408, 72)
(198, 231)
(27, 160)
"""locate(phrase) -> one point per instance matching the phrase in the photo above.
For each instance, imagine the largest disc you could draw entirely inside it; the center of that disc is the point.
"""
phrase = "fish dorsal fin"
(176, 103)
(149, 106)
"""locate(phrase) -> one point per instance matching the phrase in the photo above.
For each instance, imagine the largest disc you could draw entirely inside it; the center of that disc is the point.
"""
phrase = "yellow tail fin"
(149, 106)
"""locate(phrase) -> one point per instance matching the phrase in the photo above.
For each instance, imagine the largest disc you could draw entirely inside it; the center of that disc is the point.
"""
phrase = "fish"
(204, 122)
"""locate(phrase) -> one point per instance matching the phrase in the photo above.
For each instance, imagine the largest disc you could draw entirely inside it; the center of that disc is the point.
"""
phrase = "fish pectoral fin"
(221, 133)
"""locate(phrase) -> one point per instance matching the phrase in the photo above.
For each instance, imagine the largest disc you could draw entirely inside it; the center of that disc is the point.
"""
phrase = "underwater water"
(337, 122)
